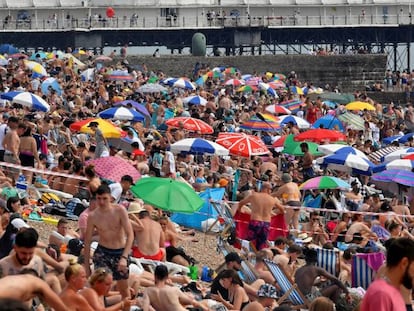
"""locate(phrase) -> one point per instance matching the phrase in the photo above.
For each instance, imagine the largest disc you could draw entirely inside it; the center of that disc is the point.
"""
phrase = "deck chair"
(246, 272)
(328, 259)
(224, 215)
(364, 267)
(288, 287)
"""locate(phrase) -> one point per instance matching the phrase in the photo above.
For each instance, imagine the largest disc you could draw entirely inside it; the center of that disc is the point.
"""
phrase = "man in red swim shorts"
(148, 234)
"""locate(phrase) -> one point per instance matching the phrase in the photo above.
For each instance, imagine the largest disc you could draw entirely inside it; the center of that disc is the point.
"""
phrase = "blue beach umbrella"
(391, 139)
(403, 139)
(198, 146)
(195, 100)
(27, 99)
(300, 122)
(51, 83)
(183, 84)
(121, 113)
(137, 106)
(39, 54)
(340, 149)
(328, 122)
(398, 176)
(350, 163)
(400, 164)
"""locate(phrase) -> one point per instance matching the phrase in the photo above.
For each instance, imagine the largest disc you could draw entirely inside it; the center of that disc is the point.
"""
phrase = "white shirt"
(3, 130)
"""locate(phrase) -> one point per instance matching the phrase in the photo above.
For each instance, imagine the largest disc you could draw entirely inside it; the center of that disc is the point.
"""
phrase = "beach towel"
(374, 260)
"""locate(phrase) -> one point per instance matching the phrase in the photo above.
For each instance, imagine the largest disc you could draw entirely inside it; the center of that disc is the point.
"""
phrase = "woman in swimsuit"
(28, 152)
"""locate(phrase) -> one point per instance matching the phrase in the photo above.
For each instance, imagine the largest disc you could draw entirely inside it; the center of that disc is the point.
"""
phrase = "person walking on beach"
(115, 238)
(102, 149)
(384, 293)
(262, 206)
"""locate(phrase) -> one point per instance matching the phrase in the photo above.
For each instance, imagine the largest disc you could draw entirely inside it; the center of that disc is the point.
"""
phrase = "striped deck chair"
(362, 272)
(246, 272)
(288, 287)
(328, 259)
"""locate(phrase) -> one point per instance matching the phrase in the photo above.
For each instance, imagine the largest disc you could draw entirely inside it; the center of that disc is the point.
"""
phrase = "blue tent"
(206, 212)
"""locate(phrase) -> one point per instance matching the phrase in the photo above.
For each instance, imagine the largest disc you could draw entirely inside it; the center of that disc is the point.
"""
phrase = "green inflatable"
(198, 47)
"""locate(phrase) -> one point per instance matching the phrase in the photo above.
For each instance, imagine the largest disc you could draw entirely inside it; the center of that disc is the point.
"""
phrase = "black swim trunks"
(109, 258)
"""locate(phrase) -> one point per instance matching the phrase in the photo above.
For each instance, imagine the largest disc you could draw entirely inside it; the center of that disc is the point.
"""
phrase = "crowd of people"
(89, 268)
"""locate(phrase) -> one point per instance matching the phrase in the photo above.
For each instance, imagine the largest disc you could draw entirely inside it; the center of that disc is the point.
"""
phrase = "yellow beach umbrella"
(358, 105)
(35, 67)
(108, 129)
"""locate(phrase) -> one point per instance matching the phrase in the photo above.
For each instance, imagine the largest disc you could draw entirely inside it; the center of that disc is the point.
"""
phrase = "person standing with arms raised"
(115, 238)
(262, 206)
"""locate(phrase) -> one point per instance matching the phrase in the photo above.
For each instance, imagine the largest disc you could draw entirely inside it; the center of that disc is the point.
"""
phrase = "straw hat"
(304, 237)
(135, 208)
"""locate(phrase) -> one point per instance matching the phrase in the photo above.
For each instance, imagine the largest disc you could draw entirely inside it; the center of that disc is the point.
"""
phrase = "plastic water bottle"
(21, 183)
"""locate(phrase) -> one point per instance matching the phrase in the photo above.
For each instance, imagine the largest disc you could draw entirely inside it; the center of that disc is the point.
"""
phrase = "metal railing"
(203, 22)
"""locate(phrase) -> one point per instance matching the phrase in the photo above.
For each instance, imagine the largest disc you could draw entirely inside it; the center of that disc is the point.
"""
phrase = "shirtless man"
(164, 297)
(262, 206)
(149, 235)
(115, 238)
(25, 287)
(290, 195)
(11, 144)
(307, 164)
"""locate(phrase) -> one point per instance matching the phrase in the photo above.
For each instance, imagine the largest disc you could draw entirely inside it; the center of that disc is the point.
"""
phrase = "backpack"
(57, 208)
(74, 207)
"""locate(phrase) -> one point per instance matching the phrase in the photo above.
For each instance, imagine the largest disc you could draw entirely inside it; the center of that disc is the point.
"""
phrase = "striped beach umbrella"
(351, 120)
(121, 113)
(256, 124)
(35, 67)
(301, 123)
(190, 124)
(183, 84)
(27, 99)
(293, 104)
(398, 154)
(240, 144)
(277, 109)
(400, 164)
(324, 182)
(378, 156)
(398, 176)
(350, 163)
(195, 100)
(339, 148)
(198, 146)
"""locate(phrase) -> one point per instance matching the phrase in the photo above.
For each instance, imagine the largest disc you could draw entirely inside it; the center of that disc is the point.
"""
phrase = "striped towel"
(327, 259)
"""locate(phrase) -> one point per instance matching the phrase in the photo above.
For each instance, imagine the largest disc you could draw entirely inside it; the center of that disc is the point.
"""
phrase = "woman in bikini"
(28, 152)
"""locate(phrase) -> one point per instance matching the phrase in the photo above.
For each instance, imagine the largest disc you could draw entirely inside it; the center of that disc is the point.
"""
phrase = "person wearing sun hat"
(266, 299)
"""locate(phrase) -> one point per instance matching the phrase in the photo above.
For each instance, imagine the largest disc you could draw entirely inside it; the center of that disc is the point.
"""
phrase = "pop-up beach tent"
(206, 212)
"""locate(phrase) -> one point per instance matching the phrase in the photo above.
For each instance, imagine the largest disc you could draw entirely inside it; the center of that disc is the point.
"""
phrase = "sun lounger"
(288, 287)
(328, 259)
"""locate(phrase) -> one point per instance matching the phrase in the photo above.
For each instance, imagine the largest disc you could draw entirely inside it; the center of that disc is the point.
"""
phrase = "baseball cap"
(233, 256)
(267, 291)
(19, 223)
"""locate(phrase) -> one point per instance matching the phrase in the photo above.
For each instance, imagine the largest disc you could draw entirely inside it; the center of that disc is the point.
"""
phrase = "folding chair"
(363, 269)
(224, 215)
(328, 259)
(246, 272)
(287, 285)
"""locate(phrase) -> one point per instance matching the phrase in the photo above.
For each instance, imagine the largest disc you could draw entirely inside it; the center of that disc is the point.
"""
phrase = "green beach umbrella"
(340, 98)
(168, 194)
(293, 147)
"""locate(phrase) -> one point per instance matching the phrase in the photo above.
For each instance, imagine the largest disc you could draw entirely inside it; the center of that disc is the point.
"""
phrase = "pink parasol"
(113, 168)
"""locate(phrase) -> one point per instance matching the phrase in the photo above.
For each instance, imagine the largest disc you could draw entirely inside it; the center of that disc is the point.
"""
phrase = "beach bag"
(74, 207)
(58, 209)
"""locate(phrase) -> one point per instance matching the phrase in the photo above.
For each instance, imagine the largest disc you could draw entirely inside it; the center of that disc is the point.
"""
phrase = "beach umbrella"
(35, 67)
(8, 49)
(121, 113)
(253, 81)
(3, 61)
(40, 54)
(18, 56)
(400, 164)
(398, 176)
(398, 154)
(277, 84)
(108, 129)
(198, 146)
(351, 120)
(296, 90)
(391, 139)
(300, 122)
(51, 83)
(27, 99)
(257, 124)
(403, 139)
(137, 106)
(292, 147)
(88, 74)
(241, 144)
(292, 104)
(328, 122)
(234, 82)
(339, 148)
(266, 88)
(103, 59)
(195, 100)
(247, 89)
(151, 88)
(231, 70)
(330, 104)
(358, 105)
(279, 141)
(113, 168)
(319, 135)
(183, 84)
(378, 156)
(190, 124)
(214, 74)
(168, 194)
(119, 75)
(277, 109)
(324, 182)
(340, 98)
(350, 163)
(124, 143)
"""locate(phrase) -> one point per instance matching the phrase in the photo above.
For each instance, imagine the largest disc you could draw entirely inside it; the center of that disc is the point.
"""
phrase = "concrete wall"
(349, 72)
